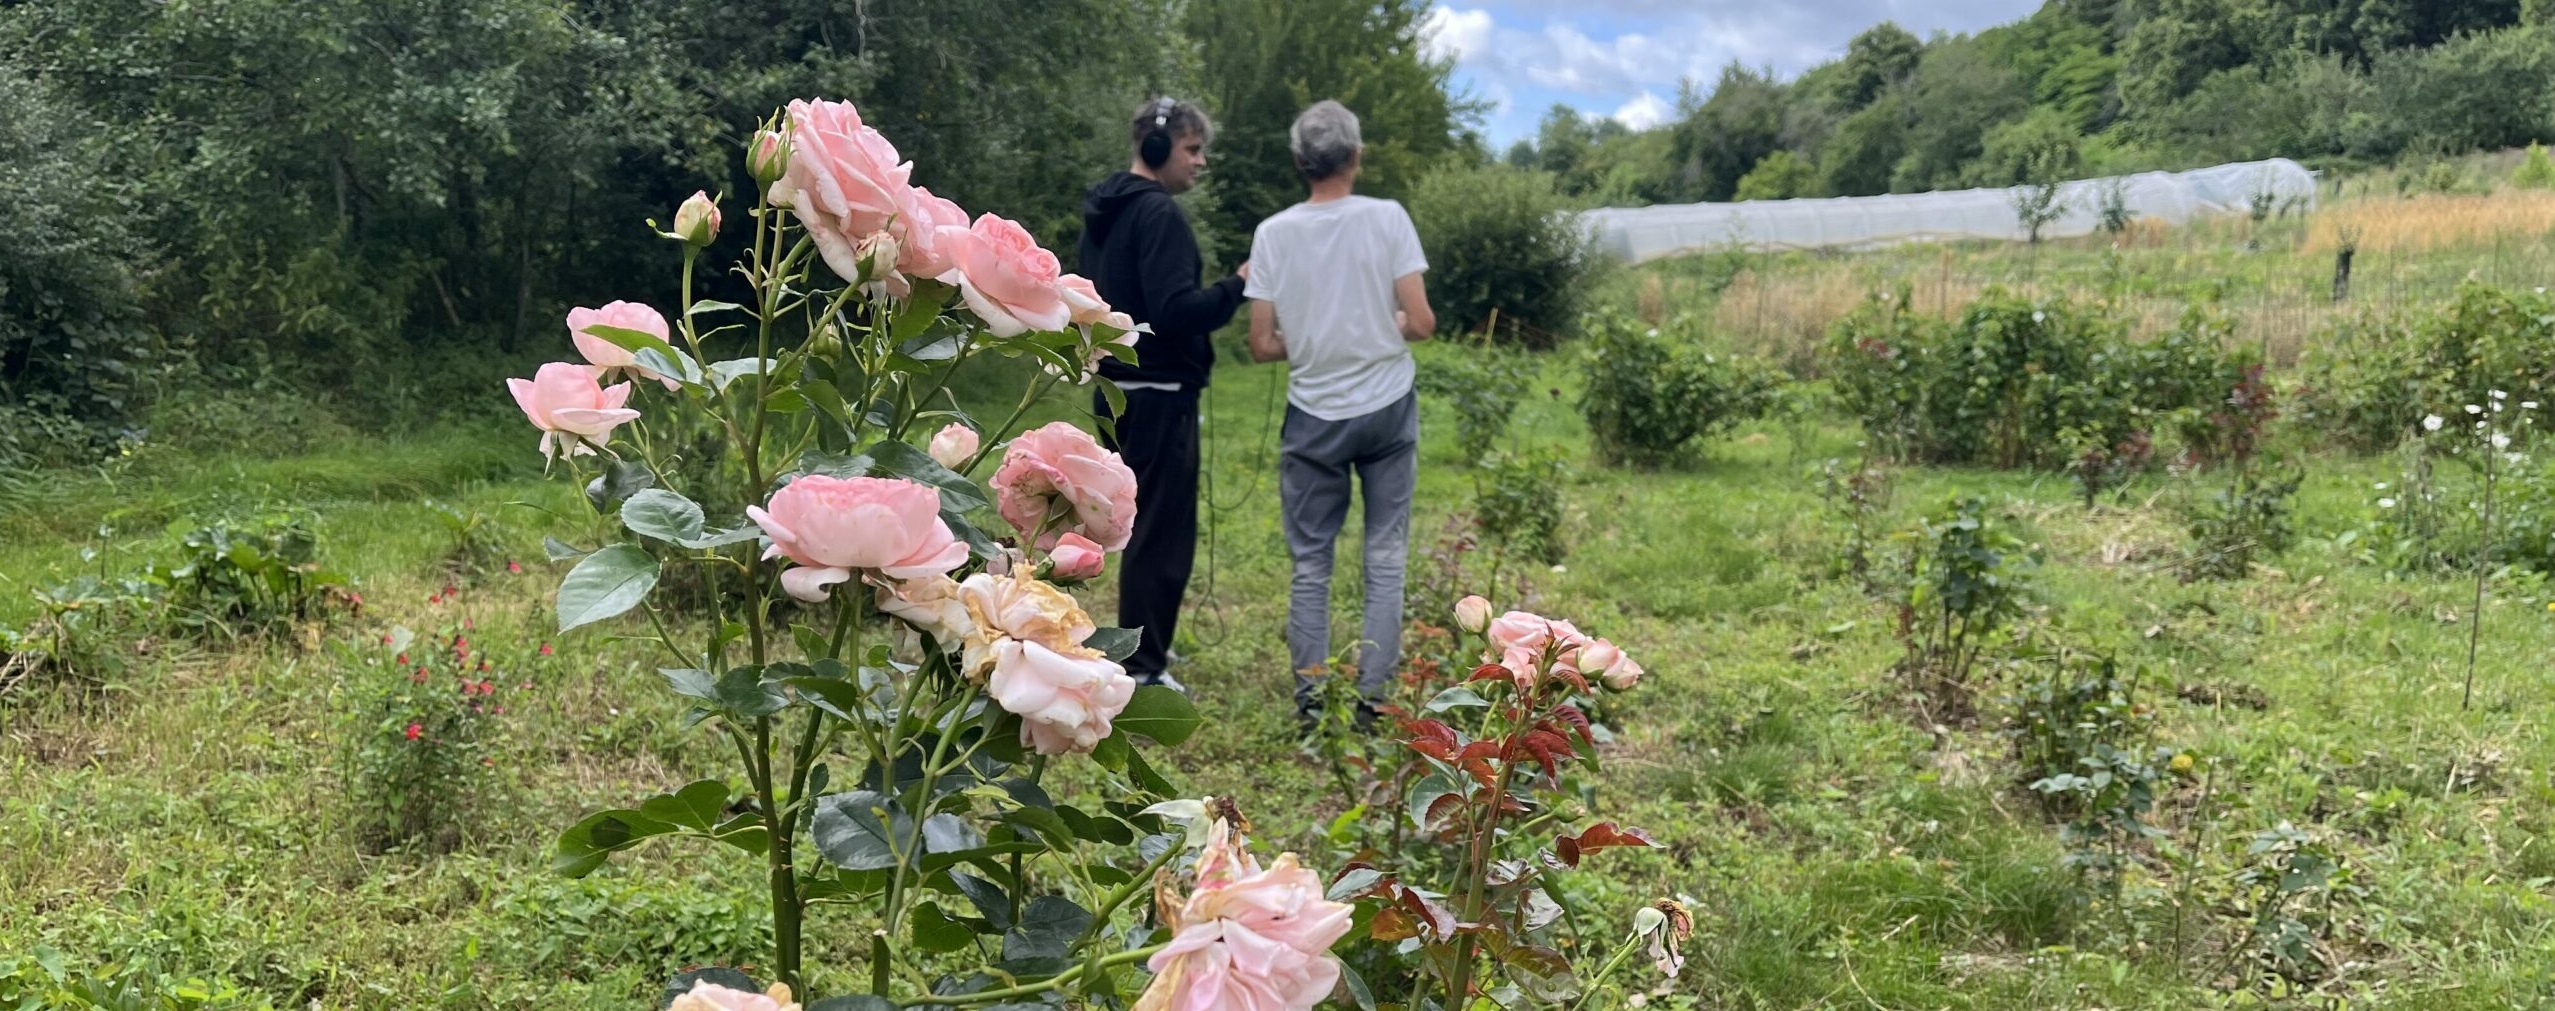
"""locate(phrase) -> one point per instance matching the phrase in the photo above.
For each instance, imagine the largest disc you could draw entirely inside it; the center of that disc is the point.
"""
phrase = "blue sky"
(1623, 58)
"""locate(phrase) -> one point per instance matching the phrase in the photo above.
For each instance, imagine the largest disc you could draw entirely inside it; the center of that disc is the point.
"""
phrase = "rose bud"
(955, 445)
(1472, 613)
(697, 221)
(1075, 558)
(768, 157)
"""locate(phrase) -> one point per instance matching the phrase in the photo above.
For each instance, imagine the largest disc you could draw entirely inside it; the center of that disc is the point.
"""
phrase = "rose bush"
(896, 705)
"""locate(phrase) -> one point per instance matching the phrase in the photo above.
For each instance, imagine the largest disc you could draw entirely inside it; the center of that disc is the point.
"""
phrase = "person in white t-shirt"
(1336, 290)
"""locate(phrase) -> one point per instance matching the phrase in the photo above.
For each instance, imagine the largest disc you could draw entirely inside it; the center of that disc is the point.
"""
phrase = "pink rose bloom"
(1524, 640)
(1020, 608)
(844, 180)
(1076, 557)
(932, 605)
(1009, 282)
(611, 356)
(1060, 466)
(1083, 300)
(708, 996)
(833, 525)
(1533, 631)
(1248, 939)
(1472, 614)
(1623, 675)
(1610, 662)
(929, 251)
(1026, 644)
(571, 407)
(1065, 699)
(954, 445)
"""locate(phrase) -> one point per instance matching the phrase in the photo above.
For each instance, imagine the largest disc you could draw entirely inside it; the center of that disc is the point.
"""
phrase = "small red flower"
(415, 731)
(526, 686)
(545, 649)
(385, 640)
(514, 568)
(501, 710)
(483, 665)
(431, 598)
(403, 659)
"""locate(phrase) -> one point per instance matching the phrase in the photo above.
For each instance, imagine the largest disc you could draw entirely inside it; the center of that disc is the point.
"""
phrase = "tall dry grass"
(2436, 222)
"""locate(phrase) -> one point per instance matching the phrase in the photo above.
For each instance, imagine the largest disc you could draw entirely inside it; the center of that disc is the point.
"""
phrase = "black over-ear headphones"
(1155, 148)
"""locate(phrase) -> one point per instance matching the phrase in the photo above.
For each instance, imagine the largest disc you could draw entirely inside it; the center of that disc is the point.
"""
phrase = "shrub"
(234, 578)
(2375, 377)
(81, 638)
(71, 342)
(1650, 391)
(2085, 744)
(1963, 592)
(1483, 384)
(2249, 515)
(1500, 240)
(2536, 171)
(2200, 381)
(2363, 384)
(1517, 500)
(419, 741)
(1994, 386)
(2301, 894)
(2015, 382)
(1856, 500)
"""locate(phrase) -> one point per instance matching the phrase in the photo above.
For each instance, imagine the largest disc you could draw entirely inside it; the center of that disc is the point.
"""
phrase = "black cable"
(1259, 467)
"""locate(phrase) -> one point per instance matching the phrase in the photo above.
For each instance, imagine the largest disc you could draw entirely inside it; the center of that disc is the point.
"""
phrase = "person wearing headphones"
(1336, 290)
(1140, 255)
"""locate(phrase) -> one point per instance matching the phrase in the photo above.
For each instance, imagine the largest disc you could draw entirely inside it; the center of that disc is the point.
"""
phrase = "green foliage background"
(279, 195)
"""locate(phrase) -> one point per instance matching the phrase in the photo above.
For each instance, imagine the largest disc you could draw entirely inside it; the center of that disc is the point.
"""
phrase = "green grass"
(193, 817)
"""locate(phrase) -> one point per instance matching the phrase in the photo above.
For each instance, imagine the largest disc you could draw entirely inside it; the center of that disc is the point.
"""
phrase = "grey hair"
(1324, 140)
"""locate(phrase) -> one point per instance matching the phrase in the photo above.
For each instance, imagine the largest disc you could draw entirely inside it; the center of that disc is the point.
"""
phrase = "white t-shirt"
(1329, 269)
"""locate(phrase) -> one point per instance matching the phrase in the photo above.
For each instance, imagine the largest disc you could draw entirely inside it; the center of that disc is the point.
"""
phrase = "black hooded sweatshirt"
(1140, 255)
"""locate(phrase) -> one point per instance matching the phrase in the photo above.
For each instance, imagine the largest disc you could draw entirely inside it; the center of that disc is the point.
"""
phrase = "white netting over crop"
(1641, 233)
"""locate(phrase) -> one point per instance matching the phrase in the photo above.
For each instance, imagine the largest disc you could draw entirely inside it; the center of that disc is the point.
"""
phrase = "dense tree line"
(318, 183)
(2087, 86)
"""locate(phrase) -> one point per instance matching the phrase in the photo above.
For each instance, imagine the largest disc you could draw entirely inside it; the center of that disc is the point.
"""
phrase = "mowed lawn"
(191, 818)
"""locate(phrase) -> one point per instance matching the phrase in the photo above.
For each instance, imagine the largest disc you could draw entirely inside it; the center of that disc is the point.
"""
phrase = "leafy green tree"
(1562, 141)
(1631, 168)
(1260, 62)
(2176, 45)
(1733, 129)
(70, 339)
(1859, 157)
(1960, 91)
(2041, 147)
(1781, 175)
(1882, 57)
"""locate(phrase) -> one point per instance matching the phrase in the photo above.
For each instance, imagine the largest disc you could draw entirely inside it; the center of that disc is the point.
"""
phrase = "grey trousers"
(1316, 458)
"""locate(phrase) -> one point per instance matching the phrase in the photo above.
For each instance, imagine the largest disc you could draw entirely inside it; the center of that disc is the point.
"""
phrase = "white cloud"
(1462, 34)
(1645, 111)
(1566, 58)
